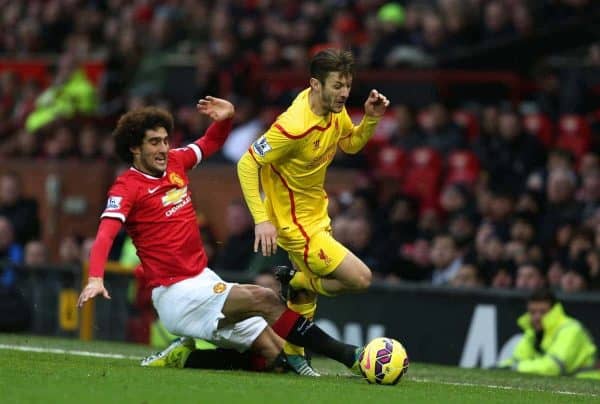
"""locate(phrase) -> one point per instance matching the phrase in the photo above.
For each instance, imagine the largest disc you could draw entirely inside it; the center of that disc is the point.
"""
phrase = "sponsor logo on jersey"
(324, 158)
(174, 196)
(261, 146)
(153, 190)
(316, 144)
(175, 179)
(114, 203)
(219, 287)
(175, 208)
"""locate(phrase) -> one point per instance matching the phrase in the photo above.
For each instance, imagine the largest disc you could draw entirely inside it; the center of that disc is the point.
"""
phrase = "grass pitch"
(52, 370)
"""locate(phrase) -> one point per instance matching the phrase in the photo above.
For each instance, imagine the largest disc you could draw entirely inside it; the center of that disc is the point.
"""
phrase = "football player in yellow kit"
(290, 162)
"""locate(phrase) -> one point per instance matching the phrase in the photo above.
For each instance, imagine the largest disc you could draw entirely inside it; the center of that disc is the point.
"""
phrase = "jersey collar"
(146, 175)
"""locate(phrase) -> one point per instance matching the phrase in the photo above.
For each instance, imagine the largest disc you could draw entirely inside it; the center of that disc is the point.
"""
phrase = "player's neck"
(141, 169)
(315, 104)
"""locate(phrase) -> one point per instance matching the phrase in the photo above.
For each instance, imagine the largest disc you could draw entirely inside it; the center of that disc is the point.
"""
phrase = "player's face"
(151, 156)
(537, 311)
(335, 91)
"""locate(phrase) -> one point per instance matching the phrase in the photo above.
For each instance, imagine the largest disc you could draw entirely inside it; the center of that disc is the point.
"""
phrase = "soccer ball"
(383, 361)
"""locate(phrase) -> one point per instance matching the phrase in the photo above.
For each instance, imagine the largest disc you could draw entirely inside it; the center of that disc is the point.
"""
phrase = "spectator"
(523, 228)
(89, 144)
(462, 225)
(501, 208)
(69, 250)
(411, 262)
(21, 211)
(513, 154)
(36, 254)
(405, 134)
(562, 206)
(248, 130)
(589, 193)
(434, 40)
(361, 243)
(554, 275)
(439, 131)
(530, 277)
(71, 94)
(10, 253)
(501, 277)
(390, 32)
(577, 276)
(446, 259)
(496, 23)
(468, 276)
(553, 343)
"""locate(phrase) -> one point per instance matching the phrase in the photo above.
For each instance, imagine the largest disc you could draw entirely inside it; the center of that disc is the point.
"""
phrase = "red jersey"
(160, 219)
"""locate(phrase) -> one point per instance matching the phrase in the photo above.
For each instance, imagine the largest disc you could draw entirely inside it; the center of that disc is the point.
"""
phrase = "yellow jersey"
(293, 156)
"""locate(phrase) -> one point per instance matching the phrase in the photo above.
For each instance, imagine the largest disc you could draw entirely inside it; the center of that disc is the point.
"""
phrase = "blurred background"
(482, 182)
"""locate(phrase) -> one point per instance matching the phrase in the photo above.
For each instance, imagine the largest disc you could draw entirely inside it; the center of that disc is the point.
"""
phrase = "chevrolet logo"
(174, 196)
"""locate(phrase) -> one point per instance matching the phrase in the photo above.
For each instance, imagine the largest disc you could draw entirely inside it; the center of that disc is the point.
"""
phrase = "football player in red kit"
(152, 200)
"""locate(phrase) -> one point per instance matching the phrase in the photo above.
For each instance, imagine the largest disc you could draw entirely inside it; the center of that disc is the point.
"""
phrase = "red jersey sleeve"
(190, 156)
(107, 231)
(120, 201)
(213, 139)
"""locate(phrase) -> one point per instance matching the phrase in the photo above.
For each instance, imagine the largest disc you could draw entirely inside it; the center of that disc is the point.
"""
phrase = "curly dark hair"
(133, 125)
(331, 60)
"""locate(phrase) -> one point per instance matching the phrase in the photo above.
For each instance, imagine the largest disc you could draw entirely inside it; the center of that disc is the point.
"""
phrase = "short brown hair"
(331, 60)
(133, 125)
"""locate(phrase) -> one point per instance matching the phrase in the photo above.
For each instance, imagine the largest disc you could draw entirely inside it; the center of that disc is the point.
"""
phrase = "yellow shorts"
(316, 255)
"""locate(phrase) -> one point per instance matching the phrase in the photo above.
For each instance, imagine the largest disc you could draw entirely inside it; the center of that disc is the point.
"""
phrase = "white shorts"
(193, 308)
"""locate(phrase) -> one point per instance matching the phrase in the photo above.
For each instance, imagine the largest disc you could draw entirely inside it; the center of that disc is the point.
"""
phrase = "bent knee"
(265, 299)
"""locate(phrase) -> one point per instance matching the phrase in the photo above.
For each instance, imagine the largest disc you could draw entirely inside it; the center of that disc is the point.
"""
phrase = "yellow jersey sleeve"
(354, 138)
(248, 172)
(274, 145)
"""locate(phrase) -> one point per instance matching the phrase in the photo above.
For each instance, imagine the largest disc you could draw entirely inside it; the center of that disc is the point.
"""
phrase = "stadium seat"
(373, 148)
(540, 126)
(574, 134)
(468, 121)
(390, 162)
(462, 166)
(424, 119)
(423, 176)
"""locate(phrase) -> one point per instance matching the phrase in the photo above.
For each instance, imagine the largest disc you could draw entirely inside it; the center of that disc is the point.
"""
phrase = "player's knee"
(266, 300)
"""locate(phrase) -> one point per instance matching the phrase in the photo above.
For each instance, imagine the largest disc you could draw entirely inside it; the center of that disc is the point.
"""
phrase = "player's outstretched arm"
(94, 288)
(376, 104)
(216, 108)
(107, 231)
(215, 136)
(375, 107)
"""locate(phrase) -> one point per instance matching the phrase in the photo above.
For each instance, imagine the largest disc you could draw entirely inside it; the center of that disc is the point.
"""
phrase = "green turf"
(33, 377)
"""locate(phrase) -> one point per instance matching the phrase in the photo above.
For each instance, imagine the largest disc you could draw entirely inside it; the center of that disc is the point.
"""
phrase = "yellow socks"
(301, 281)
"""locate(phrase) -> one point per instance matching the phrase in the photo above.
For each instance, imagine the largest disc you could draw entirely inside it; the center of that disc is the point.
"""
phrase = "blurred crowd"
(488, 194)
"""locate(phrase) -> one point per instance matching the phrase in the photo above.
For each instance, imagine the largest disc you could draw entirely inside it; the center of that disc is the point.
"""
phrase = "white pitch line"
(27, 348)
(498, 387)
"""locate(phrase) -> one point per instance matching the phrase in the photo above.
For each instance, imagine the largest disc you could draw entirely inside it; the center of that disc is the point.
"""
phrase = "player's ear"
(135, 150)
(315, 84)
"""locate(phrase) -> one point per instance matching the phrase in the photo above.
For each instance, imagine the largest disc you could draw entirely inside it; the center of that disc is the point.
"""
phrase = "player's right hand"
(94, 288)
(265, 237)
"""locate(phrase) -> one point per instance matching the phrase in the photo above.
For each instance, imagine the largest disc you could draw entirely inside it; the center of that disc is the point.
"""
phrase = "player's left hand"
(216, 108)
(376, 104)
